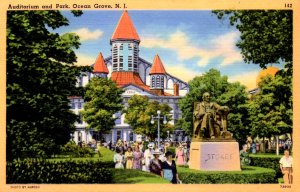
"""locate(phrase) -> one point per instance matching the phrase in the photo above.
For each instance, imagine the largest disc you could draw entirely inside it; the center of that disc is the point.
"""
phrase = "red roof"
(100, 66)
(123, 78)
(125, 29)
(157, 67)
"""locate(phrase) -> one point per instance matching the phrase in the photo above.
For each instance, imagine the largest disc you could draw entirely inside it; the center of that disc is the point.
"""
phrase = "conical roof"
(157, 67)
(125, 29)
(99, 66)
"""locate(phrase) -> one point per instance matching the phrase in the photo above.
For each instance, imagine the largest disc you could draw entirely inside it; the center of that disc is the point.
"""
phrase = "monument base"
(215, 156)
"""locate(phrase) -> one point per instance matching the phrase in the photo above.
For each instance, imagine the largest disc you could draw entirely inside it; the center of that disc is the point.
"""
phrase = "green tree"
(40, 77)
(271, 108)
(233, 95)
(102, 100)
(266, 35)
(138, 115)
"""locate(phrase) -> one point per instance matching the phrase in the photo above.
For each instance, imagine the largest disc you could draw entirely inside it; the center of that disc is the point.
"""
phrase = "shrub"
(74, 150)
(41, 171)
(267, 162)
(248, 174)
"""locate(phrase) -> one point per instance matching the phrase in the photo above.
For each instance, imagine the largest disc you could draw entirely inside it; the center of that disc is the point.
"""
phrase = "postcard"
(149, 96)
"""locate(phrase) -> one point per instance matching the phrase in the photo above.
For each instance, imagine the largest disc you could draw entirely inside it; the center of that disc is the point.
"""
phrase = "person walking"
(180, 155)
(148, 155)
(138, 156)
(169, 170)
(286, 166)
(129, 158)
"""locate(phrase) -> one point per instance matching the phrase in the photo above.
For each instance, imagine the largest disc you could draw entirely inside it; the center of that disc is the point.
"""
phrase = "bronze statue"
(210, 120)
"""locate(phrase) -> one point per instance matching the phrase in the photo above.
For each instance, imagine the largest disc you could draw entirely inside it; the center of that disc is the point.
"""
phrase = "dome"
(268, 71)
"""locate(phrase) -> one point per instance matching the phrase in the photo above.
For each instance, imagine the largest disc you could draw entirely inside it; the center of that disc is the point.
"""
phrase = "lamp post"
(158, 117)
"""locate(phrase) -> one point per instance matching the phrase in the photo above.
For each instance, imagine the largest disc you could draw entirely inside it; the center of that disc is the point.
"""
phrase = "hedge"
(249, 174)
(41, 171)
(267, 162)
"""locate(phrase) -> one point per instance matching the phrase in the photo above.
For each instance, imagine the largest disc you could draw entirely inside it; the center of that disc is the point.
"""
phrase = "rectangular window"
(80, 80)
(79, 104)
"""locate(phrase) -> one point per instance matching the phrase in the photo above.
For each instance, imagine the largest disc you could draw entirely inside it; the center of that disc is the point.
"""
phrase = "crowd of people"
(154, 160)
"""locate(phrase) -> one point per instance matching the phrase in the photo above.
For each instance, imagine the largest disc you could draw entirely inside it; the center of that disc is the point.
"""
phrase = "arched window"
(162, 82)
(153, 81)
(158, 81)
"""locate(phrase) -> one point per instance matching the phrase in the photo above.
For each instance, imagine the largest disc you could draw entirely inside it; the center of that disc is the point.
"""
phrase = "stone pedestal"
(215, 156)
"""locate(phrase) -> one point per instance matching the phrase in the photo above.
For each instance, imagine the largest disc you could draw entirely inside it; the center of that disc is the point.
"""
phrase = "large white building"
(135, 76)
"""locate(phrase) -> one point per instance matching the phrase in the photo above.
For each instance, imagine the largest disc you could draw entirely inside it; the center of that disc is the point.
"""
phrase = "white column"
(125, 135)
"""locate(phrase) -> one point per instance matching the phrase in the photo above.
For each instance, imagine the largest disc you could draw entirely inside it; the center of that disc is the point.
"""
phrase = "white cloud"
(84, 60)
(248, 79)
(85, 34)
(219, 47)
(182, 72)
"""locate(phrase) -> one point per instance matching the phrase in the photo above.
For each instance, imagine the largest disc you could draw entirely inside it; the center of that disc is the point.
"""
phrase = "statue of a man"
(205, 118)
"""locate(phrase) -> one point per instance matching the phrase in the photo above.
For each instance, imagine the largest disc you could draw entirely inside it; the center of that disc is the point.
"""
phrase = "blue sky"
(189, 43)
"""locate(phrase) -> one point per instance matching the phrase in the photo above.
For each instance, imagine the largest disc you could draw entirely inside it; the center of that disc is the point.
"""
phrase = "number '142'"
(288, 5)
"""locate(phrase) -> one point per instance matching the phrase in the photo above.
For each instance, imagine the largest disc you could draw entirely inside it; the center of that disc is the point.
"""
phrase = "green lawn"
(245, 170)
(128, 176)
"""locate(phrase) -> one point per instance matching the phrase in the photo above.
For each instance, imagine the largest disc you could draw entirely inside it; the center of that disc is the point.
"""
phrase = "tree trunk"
(277, 145)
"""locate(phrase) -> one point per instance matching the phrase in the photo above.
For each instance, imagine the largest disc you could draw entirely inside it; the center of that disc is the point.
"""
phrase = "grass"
(271, 155)
(245, 170)
(106, 155)
(280, 180)
(127, 176)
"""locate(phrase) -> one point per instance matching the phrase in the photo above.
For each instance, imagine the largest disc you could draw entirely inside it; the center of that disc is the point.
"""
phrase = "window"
(79, 104)
(135, 58)
(162, 82)
(157, 82)
(130, 62)
(80, 81)
(72, 104)
(121, 63)
(121, 47)
(153, 81)
(115, 58)
(129, 47)
(79, 136)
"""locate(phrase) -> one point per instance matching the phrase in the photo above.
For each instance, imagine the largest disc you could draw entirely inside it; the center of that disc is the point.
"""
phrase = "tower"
(125, 45)
(100, 68)
(157, 76)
